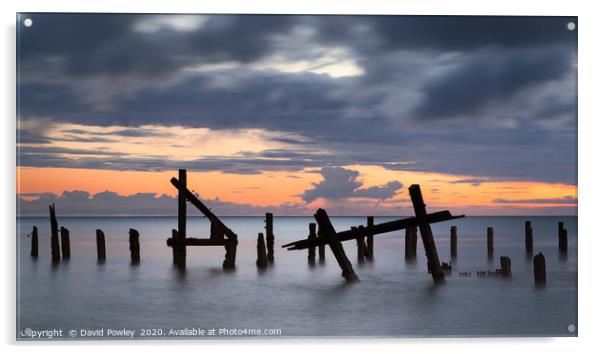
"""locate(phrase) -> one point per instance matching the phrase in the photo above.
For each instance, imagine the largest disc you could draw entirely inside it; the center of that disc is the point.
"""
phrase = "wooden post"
(135, 246)
(100, 246)
(262, 260)
(434, 266)
(539, 268)
(453, 242)
(311, 251)
(361, 248)
(321, 250)
(528, 238)
(269, 236)
(506, 266)
(370, 240)
(563, 241)
(410, 243)
(65, 243)
(327, 231)
(490, 242)
(230, 258)
(34, 242)
(54, 238)
(179, 236)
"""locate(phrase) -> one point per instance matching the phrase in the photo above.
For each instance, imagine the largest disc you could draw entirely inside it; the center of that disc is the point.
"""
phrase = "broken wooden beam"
(490, 242)
(34, 243)
(528, 238)
(506, 266)
(453, 242)
(374, 230)
(55, 247)
(539, 268)
(370, 239)
(328, 233)
(311, 251)
(65, 243)
(262, 259)
(433, 264)
(134, 246)
(101, 252)
(269, 236)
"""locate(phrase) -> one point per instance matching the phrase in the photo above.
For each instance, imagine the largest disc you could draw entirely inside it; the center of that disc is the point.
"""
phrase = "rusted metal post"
(453, 242)
(269, 236)
(262, 260)
(370, 240)
(327, 231)
(65, 243)
(135, 246)
(434, 266)
(506, 266)
(34, 242)
(100, 246)
(311, 251)
(490, 242)
(54, 238)
(528, 238)
(539, 268)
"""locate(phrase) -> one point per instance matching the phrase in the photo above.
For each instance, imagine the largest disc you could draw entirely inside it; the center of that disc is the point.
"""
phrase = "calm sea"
(292, 299)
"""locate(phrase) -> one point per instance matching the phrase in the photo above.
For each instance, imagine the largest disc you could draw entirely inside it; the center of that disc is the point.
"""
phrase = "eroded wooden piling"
(361, 248)
(434, 266)
(269, 236)
(506, 266)
(490, 242)
(539, 268)
(101, 251)
(311, 251)
(230, 258)
(411, 242)
(65, 243)
(179, 236)
(369, 250)
(528, 238)
(321, 251)
(453, 242)
(563, 239)
(262, 260)
(328, 232)
(34, 242)
(134, 246)
(55, 247)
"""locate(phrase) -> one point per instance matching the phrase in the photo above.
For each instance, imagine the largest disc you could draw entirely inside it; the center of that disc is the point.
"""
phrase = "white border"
(589, 168)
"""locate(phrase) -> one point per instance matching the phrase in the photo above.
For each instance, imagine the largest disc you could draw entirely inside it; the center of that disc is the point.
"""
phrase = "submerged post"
(528, 238)
(327, 231)
(179, 236)
(506, 266)
(311, 251)
(321, 251)
(262, 260)
(361, 248)
(434, 266)
(563, 240)
(135, 246)
(490, 242)
(453, 242)
(65, 243)
(34, 242)
(269, 236)
(539, 268)
(54, 238)
(370, 240)
(100, 246)
(230, 258)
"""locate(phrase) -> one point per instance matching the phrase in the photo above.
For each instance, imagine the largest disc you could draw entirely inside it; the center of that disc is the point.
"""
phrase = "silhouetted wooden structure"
(34, 243)
(563, 239)
(220, 235)
(134, 246)
(506, 266)
(528, 238)
(55, 247)
(101, 251)
(311, 251)
(65, 243)
(269, 236)
(490, 242)
(369, 249)
(361, 248)
(539, 268)
(411, 243)
(453, 242)
(262, 259)
(327, 235)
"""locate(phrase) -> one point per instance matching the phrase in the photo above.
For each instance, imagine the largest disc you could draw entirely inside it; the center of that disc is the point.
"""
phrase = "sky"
(291, 113)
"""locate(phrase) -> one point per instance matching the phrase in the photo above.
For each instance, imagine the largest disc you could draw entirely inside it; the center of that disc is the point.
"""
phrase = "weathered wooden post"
(230, 258)
(54, 238)
(528, 238)
(321, 250)
(434, 266)
(361, 248)
(539, 268)
(411, 242)
(65, 243)
(370, 240)
(311, 251)
(34, 242)
(506, 266)
(135, 246)
(453, 242)
(563, 240)
(100, 246)
(262, 260)
(490, 242)
(327, 231)
(179, 236)
(269, 236)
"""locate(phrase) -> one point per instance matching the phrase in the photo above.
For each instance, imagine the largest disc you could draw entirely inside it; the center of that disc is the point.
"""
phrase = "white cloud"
(178, 23)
